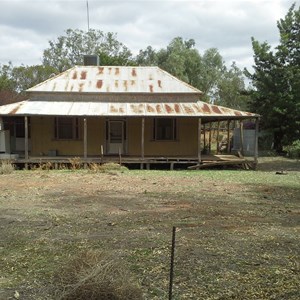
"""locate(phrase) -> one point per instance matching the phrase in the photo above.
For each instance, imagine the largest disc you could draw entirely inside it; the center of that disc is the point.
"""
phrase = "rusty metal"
(117, 91)
(86, 108)
(87, 79)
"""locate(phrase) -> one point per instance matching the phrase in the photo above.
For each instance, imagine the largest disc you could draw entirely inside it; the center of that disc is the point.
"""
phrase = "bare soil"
(238, 232)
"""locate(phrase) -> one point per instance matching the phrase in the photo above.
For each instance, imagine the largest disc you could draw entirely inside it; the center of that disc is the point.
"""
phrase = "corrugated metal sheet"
(93, 79)
(63, 108)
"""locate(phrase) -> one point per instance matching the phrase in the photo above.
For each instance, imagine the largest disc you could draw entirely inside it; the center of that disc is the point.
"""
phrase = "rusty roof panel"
(92, 79)
(85, 108)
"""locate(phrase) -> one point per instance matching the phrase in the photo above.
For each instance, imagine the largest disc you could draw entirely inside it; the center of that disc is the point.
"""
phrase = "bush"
(6, 167)
(294, 149)
(94, 275)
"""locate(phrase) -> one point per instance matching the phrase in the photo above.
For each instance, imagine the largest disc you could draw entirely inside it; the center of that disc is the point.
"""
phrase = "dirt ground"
(238, 232)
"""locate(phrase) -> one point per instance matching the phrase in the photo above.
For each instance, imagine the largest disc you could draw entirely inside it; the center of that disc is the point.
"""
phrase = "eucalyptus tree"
(68, 50)
(206, 72)
(276, 81)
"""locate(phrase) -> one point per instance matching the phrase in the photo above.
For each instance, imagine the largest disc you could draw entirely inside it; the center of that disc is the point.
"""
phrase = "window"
(66, 128)
(164, 129)
(16, 126)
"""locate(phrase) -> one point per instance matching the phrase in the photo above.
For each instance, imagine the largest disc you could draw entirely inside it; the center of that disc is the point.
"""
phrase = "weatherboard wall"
(44, 142)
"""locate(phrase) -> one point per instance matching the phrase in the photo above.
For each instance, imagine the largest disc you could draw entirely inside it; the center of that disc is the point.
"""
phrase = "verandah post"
(199, 140)
(85, 141)
(256, 142)
(26, 142)
(143, 142)
(218, 136)
(209, 138)
(204, 138)
(242, 137)
(228, 136)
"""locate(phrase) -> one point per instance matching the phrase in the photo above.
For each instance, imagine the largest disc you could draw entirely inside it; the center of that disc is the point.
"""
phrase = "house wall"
(185, 144)
(43, 141)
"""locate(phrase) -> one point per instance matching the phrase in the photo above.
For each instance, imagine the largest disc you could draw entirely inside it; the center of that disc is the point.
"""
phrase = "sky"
(27, 26)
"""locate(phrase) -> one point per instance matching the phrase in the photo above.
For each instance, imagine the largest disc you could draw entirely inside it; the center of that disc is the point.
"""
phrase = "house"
(136, 115)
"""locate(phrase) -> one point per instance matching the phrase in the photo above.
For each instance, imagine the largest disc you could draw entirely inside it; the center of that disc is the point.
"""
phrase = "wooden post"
(26, 138)
(26, 142)
(120, 156)
(199, 140)
(256, 142)
(204, 138)
(209, 138)
(242, 137)
(102, 152)
(218, 133)
(228, 136)
(85, 141)
(143, 139)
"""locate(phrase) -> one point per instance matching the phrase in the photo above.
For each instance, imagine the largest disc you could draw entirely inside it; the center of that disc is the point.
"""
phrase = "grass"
(237, 236)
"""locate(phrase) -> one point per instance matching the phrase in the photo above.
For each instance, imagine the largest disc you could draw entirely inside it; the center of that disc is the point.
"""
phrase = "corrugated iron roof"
(63, 108)
(111, 79)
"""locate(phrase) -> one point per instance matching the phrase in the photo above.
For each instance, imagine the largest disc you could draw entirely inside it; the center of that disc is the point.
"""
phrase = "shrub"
(294, 149)
(94, 275)
(6, 167)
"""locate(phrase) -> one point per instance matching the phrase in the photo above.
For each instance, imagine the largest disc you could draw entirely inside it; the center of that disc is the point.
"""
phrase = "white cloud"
(27, 25)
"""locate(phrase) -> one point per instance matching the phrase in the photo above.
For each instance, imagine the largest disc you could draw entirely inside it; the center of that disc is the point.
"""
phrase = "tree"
(25, 77)
(7, 92)
(18, 79)
(276, 81)
(231, 90)
(207, 72)
(6, 83)
(68, 50)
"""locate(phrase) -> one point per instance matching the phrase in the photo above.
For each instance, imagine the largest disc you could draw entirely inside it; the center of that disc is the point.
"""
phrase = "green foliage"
(25, 77)
(18, 79)
(276, 81)
(6, 83)
(68, 50)
(294, 149)
(231, 90)
(206, 72)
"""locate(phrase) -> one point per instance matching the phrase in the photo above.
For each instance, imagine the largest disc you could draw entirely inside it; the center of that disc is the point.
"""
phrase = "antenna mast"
(88, 14)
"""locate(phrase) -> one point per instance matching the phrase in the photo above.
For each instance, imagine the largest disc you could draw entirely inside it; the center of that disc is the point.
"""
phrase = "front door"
(116, 136)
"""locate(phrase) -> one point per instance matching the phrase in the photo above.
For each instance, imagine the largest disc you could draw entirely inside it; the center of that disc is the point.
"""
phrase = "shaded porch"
(210, 142)
(207, 161)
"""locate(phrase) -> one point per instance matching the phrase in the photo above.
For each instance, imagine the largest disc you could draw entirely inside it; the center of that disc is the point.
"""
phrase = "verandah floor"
(147, 162)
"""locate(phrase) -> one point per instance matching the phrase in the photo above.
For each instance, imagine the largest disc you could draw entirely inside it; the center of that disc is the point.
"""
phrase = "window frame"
(161, 135)
(59, 124)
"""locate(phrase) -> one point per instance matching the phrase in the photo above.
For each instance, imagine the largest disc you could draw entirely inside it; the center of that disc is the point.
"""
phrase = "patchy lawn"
(238, 234)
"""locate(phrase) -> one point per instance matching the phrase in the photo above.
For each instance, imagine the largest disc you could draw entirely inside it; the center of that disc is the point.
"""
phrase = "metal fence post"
(172, 263)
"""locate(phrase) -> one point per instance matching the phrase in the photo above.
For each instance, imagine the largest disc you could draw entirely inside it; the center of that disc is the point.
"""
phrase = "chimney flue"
(91, 60)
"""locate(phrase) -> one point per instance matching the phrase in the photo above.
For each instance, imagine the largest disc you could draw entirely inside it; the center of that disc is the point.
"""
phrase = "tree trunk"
(278, 136)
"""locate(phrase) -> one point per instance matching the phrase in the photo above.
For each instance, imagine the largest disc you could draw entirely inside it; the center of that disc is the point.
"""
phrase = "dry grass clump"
(106, 168)
(6, 167)
(94, 275)
(43, 166)
(76, 163)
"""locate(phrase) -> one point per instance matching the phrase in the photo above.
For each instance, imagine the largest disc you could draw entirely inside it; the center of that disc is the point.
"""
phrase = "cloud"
(27, 25)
